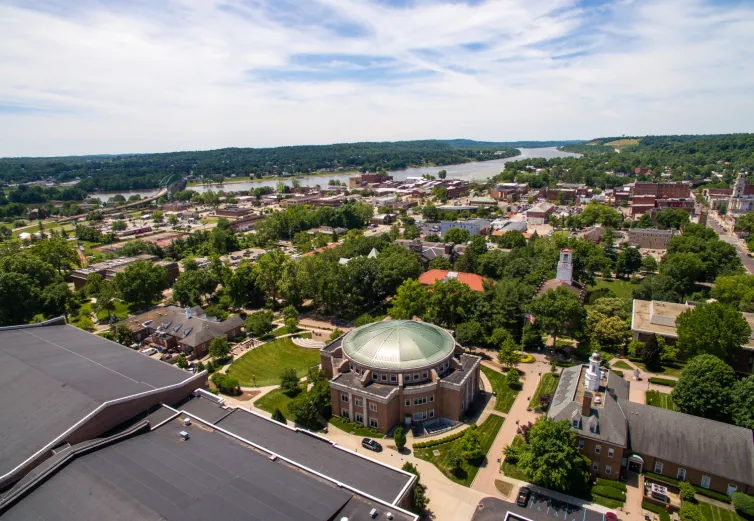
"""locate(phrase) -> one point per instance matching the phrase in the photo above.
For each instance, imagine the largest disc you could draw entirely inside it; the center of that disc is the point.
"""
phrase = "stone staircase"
(308, 343)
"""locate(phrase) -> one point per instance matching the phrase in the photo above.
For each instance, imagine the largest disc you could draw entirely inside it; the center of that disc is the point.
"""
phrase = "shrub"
(662, 381)
(454, 459)
(687, 491)
(744, 504)
(664, 516)
(691, 512)
(609, 492)
(399, 437)
(435, 443)
(611, 483)
(527, 359)
(712, 494)
(225, 383)
(278, 416)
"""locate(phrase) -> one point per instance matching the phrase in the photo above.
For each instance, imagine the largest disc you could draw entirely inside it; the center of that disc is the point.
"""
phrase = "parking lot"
(539, 508)
(559, 509)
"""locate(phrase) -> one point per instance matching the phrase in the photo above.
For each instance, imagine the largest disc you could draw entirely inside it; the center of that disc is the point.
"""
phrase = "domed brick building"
(400, 372)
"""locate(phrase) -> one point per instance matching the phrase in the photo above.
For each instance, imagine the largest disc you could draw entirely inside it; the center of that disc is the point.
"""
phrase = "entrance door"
(731, 489)
(634, 466)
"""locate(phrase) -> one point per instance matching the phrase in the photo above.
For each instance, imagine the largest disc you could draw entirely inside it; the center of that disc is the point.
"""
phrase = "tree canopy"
(704, 388)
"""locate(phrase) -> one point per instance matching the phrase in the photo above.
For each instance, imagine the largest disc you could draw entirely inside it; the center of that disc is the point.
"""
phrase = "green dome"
(398, 345)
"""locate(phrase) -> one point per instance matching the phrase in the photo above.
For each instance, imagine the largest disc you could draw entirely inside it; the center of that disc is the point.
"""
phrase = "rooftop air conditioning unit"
(273, 457)
(373, 513)
(389, 515)
(187, 421)
(184, 435)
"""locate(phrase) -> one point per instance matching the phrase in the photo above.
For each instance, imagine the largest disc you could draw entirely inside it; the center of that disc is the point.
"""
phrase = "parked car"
(611, 516)
(523, 496)
(370, 444)
(149, 351)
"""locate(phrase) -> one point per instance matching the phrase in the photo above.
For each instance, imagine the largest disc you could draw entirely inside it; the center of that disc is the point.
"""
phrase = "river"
(476, 171)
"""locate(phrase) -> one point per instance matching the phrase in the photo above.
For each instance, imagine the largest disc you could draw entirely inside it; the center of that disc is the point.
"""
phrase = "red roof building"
(475, 282)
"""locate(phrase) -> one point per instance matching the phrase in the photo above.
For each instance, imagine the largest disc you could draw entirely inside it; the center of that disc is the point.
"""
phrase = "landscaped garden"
(620, 364)
(276, 399)
(547, 385)
(462, 470)
(505, 394)
(261, 366)
(357, 429)
(658, 399)
(603, 288)
(667, 370)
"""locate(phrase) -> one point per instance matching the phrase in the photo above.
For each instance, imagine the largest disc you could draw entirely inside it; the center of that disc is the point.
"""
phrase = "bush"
(662, 381)
(526, 358)
(725, 498)
(225, 383)
(744, 504)
(611, 483)
(609, 492)
(691, 512)
(435, 443)
(399, 437)
(664, 516)
(687, 491)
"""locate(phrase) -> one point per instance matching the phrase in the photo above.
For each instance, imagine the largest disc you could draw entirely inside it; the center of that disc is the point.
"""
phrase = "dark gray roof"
(353, 381)
(204, 409)
(690, 441)
(52, 377)
(468, 363)
(157, 476)
(320, 455)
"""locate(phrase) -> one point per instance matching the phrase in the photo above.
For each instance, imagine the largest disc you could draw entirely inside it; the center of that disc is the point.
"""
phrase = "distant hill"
(469, 143)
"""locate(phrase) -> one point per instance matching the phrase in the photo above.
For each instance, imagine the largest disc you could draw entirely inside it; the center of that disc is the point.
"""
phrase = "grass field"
(715, 513)
(619, 143)
(658, 399)
(262, 366)
(276, 399)
(354, 428)
(512, 471)
(547, 384)
(620, 364)
(674, 370)
(464, 475)
(621, 288)
(505, 395)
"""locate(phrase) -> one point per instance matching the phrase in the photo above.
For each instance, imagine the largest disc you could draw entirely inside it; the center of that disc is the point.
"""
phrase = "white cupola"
(592, 380)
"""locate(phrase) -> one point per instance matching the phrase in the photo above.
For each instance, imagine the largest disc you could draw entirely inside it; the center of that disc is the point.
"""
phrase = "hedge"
(744, 504)
(609, 492)
(699, 490)
(434, 443)
(560, 363)
(611, 483)
(657, 509)
(609, 503)
(663, 381)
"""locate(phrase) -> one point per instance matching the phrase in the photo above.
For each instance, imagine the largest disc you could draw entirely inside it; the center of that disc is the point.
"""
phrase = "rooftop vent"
(373, 513)
(389, 515)
(187, 421)
(273, 457)
(184, 435)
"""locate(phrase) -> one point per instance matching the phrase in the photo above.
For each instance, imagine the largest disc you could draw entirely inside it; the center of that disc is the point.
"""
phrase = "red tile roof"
(475, 282)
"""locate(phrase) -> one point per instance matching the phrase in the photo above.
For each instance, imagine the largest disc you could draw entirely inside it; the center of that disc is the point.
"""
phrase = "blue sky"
(109, 76)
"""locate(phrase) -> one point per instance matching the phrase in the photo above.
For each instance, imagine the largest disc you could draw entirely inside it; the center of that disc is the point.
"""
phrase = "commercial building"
(401, 372)
(649, 238)
(620, 436)
(245, 223)
(592, 234)
(540, 213)
(483, 201)
(654, 317)
(473, 226)
(109, 268)
(509, 192)
(647, 197)
(384, 218)
(232, 211)
(472, 280)
(188, 331)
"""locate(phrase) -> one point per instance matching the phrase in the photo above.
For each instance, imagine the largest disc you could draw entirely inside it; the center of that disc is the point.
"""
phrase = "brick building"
(509, 191)
(647, 197)
(540, 214)
(650, 238)
(110, 268)
(400, 372)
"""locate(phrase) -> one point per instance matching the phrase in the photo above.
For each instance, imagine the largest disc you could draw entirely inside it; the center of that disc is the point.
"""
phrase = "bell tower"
(592, 379)
(565, 266)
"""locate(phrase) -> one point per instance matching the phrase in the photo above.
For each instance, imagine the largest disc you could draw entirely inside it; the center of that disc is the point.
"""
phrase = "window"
(384, 378)
(581, 444)
(373, 422)
(424, 374)
(416, 377)
(431, 413)
(420, 416)
(393, 377)
(597, 449)
(432, 398)
(356, 370)
(344, 413)
(658, 467)
(359, 418)
(608, 470)
(373, 407)
(343, 397)
(406, 377)
(705, 481)
(596, 466)
(681, 476)
(610, 453)
(357, 402)
(408, 402)
(593, 428)
(575, 424)
(374, 376)
(420, 401)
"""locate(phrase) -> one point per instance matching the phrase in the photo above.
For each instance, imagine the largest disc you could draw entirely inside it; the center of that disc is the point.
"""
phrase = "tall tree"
(141, 283)
(716, 329)
(742, 403)
(410, 300)
(558, 311)
(704, 388)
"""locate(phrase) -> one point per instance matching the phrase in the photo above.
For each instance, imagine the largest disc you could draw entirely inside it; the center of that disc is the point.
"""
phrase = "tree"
(260, 323)
(609, 330)
(649, 264)
(192, 286)
(744, 504)
(558, 311)
(290, 315)
(158, 216)
(123, 335)
(651, 352)
(552, 458)
(106, 299)
(513, 379)
(742, 403)
(336, 334)
(118, 226)
(173, 219)
(363, 320)
(471, 447)
(419, 501)
(450, 303)
(453, 459)
(219, 348)
(457, 236)
(714, 328)
(85, 323)
(470, 334)
(225, 383)
(508, 355)
(182, 362)
(399, 437)
(734, 290)
(278, 416)
(690, 511)
(411, 300)
(141, 283)
(242, 286)
(308, 408)
(442, 174)
(57, 252)
(688, 492)
(289, 382)
(629, 261)
(683, 270)
(672, 218)
(704, 388)
(269, 272)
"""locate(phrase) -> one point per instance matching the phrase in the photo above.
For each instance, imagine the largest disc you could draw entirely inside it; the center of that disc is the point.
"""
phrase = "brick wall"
(603, 459)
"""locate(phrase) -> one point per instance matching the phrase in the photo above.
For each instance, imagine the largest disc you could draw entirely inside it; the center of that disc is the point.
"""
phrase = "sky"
(123, 76)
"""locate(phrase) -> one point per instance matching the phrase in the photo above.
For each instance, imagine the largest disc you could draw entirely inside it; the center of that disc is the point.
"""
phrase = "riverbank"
(235, 180)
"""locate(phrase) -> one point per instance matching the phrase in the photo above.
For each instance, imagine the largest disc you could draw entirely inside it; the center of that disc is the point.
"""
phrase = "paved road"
(747, 261)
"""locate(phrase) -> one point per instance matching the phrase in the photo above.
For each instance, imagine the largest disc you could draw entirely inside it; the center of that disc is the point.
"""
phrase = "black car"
(370, 444)
(523, 497)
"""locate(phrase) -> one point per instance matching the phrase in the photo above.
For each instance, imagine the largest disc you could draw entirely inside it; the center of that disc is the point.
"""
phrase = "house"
(654, 317)
(618, 435)
(564, 278)
(592, 234)
(186, 330)
(540, 213)
(483, 201)
(429, 250)
(649, 238)
(475, 282)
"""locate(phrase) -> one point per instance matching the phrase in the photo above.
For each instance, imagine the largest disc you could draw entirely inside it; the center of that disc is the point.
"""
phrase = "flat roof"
(319, 454)
(53, 376)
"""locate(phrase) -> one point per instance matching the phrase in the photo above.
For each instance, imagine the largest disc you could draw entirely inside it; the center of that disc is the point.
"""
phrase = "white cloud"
(127, 76)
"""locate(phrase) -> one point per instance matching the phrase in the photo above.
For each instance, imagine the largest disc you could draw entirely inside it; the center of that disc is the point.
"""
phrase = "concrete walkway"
(638, 389)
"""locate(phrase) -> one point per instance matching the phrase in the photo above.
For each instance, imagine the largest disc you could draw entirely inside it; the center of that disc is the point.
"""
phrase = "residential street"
(730, 238)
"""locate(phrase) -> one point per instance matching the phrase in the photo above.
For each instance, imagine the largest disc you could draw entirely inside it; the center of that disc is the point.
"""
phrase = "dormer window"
(575, 424)
(593, 428)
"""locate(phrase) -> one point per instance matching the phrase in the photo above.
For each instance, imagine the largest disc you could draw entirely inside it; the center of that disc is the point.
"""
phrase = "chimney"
(586, 405)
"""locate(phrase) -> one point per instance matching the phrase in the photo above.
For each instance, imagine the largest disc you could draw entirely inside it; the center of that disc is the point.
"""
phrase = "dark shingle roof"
(694, 442)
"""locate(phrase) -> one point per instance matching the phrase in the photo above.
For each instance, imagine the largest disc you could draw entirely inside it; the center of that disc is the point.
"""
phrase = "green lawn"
(505, 395)
(620, 288)
(620, 364)
(668, 370)
(511, 470)
(658, 399)
(357, 429)
(276, 399)
(465, 475)
(715, 513)
(262, 366)
(547, 384)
